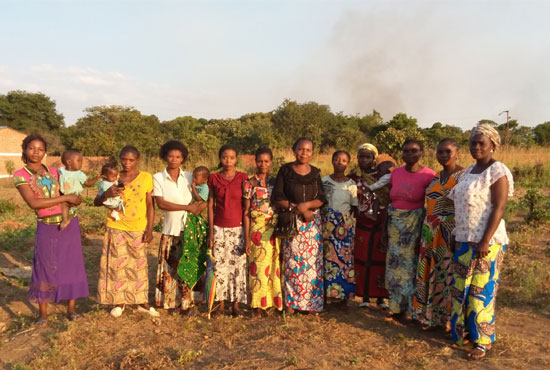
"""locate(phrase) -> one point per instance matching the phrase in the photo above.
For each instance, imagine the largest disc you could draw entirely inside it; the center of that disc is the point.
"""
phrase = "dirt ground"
(350, 338)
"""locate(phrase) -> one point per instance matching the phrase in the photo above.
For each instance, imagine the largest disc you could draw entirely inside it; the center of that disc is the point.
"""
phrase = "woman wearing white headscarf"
(480, 201)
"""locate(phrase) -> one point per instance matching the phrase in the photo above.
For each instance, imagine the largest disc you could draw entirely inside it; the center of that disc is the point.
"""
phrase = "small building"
(10, 150)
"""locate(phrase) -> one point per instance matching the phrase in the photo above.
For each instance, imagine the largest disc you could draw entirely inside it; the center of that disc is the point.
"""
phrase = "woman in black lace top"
(298, 187)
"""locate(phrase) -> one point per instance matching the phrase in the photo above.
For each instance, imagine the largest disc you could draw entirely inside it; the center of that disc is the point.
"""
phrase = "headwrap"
(369, 147)
(487, 130)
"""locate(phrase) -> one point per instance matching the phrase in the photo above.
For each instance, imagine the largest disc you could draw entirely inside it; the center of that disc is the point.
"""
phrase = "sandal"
(74, 317)
(41, 322)
(482, 352)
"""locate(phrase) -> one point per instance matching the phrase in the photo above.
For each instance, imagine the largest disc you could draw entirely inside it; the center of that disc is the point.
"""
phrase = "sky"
(454, 62)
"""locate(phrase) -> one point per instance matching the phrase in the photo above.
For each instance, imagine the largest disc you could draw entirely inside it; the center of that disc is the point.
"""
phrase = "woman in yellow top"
(123, 266)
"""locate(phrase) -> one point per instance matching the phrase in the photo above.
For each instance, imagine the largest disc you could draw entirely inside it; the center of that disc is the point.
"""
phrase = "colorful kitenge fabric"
(474, 291)
(303, 266)
(404, 228)
(432, 298)
(338, 233)
(231, 268)
(168, 289)
(264, 261)
(193, 258)
(265, 274)
(370, 247)
(44, 184)
(123, 268)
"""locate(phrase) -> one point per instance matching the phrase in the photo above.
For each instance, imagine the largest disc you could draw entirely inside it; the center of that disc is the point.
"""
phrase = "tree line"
(103, 130)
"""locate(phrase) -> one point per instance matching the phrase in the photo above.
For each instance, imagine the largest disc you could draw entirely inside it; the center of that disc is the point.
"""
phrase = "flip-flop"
(479, 347)
(41, 322)
(74, 317)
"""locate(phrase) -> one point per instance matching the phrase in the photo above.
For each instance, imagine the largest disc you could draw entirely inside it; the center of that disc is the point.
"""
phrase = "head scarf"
(487, 130)
(368, 147)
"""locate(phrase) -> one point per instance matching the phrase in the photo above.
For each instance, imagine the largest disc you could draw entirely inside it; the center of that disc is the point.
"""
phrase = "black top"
(297, 188)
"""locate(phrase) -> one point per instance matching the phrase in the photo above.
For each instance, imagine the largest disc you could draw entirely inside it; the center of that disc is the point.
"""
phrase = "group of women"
(430, 243)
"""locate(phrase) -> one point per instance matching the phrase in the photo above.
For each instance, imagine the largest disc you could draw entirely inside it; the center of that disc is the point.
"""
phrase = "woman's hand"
(308, 216)
(210, 243)
(73, 199)
(302, 208)
(147, 236)
(113, 192)
(247, 248)
(482, 250)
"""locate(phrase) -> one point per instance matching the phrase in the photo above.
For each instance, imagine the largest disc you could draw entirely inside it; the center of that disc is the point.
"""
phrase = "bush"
(6, 207)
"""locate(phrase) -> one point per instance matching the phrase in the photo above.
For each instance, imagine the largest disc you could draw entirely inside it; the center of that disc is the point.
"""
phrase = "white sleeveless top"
(472, 198)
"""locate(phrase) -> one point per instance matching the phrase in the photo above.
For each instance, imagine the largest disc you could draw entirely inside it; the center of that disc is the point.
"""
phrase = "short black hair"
(338, 152)
(299, 140)
(263, 150)
(170, 145)
(225, 147)
(129, 149)
(68, 154)
(107, 167)
(29, 139)
(201, 170)
(449, 140)
(413, 141)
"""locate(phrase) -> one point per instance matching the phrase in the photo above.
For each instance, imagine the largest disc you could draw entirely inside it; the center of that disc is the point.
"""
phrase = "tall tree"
(29, 112)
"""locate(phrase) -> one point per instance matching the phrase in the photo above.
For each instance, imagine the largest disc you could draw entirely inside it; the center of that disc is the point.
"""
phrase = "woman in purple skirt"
(58, 266)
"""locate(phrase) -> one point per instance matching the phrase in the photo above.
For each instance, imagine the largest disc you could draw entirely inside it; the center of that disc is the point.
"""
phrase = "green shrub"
(6, 207)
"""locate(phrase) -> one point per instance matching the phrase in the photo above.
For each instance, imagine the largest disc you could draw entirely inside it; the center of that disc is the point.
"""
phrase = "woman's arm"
(278, 196)
(210, 242)
(148, 235)
(246, 225)
(40, 203)
(499, 197)
(169, 206)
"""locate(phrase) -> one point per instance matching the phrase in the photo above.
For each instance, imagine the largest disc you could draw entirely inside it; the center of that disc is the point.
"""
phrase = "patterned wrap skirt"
(58, 271)
(303, 266)
(264, 264)
(230, 269)
(404, 228)
(338, 235)
(123, 275)
(432, 298)
(474, 292)
(168, 288)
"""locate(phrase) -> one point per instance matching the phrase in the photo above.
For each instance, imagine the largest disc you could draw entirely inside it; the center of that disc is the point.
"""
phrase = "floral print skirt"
(404, 227)
(231, 267)
(474, 292)
(303, 266)
(338, 234)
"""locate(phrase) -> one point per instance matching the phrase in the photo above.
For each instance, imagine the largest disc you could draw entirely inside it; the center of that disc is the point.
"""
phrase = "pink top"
(408, 189)
(228, 199)
(44, 184)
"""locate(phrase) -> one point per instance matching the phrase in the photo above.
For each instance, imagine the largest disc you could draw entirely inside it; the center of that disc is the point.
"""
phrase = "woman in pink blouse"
(405, 216)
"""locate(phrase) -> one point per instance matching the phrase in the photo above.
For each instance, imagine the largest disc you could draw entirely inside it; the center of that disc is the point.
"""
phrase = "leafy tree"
(372, 124)
(30, 112)
(542, 133)
(292, 120)
(401, 121)
(391, 140)
(105, 130)
(439, 131)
